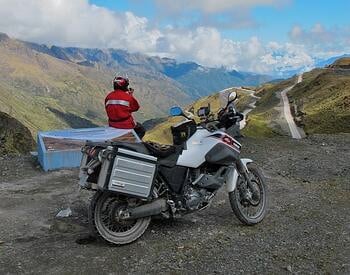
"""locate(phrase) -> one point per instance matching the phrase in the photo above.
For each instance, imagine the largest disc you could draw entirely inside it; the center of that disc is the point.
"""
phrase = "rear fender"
(232, 176)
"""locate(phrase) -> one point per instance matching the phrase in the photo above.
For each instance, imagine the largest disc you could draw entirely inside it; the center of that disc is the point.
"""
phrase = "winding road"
(287, 113)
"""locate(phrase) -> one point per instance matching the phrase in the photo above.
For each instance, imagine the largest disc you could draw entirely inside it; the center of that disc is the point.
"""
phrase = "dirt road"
(306, 231)
(294, 131)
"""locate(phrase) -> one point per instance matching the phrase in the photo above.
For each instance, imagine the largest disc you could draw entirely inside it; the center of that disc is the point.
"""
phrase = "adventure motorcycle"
(135, 181)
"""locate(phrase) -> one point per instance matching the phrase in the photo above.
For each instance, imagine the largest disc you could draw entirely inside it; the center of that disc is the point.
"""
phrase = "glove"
(131, 91)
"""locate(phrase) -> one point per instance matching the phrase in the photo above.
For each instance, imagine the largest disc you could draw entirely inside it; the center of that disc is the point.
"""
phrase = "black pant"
(140, 130)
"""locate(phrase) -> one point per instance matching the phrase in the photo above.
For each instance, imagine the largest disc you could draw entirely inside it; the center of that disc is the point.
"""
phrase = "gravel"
(306, 231)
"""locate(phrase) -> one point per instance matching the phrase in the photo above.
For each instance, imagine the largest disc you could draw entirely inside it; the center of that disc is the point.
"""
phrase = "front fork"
(233, 175)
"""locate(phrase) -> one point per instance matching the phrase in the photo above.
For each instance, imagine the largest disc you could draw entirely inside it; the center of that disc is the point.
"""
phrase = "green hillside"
(323, 101)
(15, 138)
(341, 63)
(44, 92)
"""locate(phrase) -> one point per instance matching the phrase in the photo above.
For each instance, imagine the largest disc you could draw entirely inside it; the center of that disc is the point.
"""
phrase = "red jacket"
(119, 107)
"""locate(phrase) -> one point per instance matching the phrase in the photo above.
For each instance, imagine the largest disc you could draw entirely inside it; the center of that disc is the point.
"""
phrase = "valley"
(44, 92)
(54, 87)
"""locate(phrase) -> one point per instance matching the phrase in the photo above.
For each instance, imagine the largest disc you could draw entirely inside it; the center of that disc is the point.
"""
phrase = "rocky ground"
(307, 229)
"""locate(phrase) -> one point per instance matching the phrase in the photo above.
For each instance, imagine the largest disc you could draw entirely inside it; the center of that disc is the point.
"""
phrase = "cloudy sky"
(264, 36)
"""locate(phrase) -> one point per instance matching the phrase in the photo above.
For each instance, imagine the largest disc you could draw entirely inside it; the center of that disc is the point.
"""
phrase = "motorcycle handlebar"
(214, 124)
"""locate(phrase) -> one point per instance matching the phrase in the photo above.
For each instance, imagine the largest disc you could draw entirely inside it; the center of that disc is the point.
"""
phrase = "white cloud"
(222, 14)
(317, 34)
(208, 47)
(71, 23)
(78, 23)
(322, 42)
(214, 6)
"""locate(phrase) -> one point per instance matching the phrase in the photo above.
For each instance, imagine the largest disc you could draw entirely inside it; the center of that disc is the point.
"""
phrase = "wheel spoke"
(110, 207)
(249, 210)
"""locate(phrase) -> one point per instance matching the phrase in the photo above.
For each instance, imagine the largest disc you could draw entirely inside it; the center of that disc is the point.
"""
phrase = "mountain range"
(196, 80)
(48, 87)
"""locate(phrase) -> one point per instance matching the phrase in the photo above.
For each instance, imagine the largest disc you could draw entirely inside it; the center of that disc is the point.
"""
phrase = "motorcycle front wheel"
(252, 210)
(105, 222)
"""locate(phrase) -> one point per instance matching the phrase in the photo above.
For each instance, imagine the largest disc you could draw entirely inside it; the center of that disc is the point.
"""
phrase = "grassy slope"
(324, 98)
(342, 63)
(30, 82)
(14, 136)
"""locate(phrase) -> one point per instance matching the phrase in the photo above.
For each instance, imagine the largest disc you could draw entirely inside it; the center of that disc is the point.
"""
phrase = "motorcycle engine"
(197, 198)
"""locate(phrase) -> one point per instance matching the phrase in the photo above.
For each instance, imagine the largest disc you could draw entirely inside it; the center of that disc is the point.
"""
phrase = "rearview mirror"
(232, 97)
(175, 111)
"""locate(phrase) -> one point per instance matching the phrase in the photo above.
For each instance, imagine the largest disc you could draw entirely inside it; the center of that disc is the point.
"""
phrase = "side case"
(132, 173)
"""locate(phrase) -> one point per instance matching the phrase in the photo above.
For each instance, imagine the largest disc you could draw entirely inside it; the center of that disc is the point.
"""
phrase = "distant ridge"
(196, 80)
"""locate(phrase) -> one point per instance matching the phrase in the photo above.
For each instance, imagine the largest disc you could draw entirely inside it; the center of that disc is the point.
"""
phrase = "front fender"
(232, 176)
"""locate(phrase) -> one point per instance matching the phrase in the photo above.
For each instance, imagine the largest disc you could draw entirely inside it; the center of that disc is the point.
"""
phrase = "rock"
(289, 268)
(220, 203)
(64, 213)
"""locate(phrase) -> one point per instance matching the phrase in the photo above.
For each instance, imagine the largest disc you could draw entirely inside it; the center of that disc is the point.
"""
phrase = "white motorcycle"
(136, 181)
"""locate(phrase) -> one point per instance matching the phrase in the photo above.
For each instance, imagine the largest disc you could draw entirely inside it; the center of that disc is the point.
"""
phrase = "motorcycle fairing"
(228, 140)
(201, 143)
(197, 147)
(222, 154)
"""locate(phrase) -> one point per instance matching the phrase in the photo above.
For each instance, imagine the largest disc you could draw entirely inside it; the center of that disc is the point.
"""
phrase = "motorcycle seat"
(137, 147)
(160, 150)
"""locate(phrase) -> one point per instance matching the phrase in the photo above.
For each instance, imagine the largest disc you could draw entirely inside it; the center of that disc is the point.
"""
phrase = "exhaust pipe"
(151, 209)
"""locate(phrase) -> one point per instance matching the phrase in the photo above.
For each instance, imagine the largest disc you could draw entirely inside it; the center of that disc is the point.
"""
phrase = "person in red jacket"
(120, 104)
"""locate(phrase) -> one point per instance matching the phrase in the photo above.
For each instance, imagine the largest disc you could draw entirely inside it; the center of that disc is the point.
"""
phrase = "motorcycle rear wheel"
(247, 213)
(103, 223)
